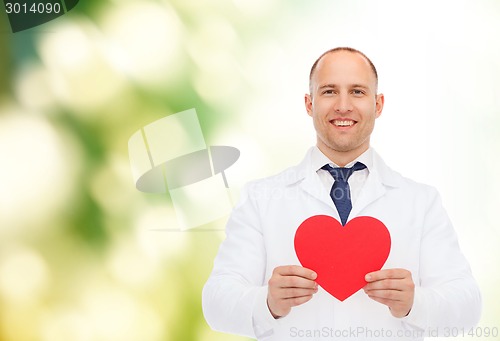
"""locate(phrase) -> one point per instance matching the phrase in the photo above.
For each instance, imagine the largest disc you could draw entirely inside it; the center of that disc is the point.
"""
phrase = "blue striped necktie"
(340, 192)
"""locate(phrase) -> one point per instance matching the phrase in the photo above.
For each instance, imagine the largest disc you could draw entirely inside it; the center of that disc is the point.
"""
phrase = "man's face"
(343, 103)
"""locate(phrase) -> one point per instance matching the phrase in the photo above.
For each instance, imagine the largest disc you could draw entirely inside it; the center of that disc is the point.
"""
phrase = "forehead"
(344, 67)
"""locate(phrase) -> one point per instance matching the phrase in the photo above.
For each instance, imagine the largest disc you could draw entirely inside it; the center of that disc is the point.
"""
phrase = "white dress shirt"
(356, 180)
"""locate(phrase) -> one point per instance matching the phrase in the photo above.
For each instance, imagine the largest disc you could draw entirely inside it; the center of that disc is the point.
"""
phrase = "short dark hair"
(337, 49)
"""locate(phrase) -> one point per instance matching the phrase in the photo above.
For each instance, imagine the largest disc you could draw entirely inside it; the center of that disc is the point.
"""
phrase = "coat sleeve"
(234, 298)
(447, 295)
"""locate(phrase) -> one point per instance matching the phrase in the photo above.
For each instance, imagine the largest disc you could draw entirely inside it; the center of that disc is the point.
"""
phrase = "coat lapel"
(379, 180)
(371, 191)
(309, 182)
(313, 186)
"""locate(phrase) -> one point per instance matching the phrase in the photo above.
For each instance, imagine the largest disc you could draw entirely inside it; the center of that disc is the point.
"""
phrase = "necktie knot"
(342, 173)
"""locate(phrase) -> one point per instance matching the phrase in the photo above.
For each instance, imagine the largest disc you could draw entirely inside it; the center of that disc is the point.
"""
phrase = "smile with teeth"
(343, 123)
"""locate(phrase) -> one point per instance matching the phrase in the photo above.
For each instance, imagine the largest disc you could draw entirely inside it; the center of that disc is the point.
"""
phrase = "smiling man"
(343, 103)
(258, 287)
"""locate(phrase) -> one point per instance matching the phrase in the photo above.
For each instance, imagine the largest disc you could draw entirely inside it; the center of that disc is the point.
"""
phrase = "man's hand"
(290, 286)
(392, 287)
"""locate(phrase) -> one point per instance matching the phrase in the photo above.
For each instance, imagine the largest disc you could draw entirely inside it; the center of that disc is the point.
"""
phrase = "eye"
(358, 92)
(328, 92)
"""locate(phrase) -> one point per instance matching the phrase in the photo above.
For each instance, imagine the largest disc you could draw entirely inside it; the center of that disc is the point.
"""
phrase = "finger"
(405, 285)
(398, 308)
(295, 293)
(297, 282)
(295, 270)
(388, 284)
(386, 274)
(386, 295)
(384, 301)
(278, 282)
(292, 302)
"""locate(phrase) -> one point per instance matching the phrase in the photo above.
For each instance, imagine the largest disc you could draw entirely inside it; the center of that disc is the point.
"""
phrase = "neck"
(342, 158)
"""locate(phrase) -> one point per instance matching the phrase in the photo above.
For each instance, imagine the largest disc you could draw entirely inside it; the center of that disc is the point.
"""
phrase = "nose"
(343, 104)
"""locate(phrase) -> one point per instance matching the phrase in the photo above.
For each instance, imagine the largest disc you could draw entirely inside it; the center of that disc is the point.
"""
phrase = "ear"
(308, 104)
(379, 105)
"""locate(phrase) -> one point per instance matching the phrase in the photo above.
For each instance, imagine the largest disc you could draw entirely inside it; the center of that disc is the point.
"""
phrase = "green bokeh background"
(82, 254)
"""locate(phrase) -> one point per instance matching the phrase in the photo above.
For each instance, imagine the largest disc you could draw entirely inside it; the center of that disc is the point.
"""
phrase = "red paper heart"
(342, 256)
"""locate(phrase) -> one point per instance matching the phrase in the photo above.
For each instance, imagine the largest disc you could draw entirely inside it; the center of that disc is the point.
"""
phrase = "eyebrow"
(333, 86)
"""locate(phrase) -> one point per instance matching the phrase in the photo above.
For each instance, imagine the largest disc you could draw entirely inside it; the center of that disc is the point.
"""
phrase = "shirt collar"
(318, 159)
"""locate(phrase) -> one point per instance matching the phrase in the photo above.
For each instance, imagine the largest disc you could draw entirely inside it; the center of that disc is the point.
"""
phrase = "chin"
(345, 148)
(342, 147)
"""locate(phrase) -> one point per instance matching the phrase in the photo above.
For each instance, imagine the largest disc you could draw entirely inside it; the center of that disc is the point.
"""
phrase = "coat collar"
(379, 179)
(381, 172)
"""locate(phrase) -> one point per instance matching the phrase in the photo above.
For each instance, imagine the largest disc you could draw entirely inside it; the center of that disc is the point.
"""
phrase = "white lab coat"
(260, 235)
